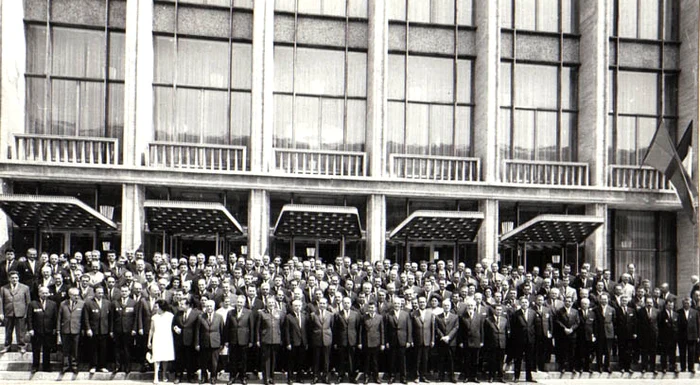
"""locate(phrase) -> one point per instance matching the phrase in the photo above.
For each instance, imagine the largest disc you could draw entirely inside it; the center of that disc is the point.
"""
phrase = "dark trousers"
(446, 356)
(422, 355)
(471, 362)
(123, 343)
(238, 361)
(321, 353)
(140, 348)
(585, 349)
(209, 361)
(496, 362)
(295, 360)
(567, 353)
(543, 351)
(268, 357)
(687, 354)
(527, 350)
(17, 325)
(648, 350)
(185, 360)
(346, 354)
(371, 363)
(70, 350)
(604, 349)
(625, 353)
(42, 343)
(97, 344)
(398, 361)
(668, 355)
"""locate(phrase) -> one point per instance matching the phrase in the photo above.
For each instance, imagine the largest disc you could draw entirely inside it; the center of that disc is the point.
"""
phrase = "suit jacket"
(209, 335)
(668, 326)
(544, 322)
(321, 329)
(14, 304)
(373, 331)
(471, 330)
(26, 275)
(496, 333)
(188, 326)
(294, 331)
(648, 327)
(568, 319)
(523, 328)
(96, 317)
(588, 325)
(447, 324)
(423, 328)
(123, 316)
(4, 271)
(688, 327)
(144, 312)
(42, 321)
(606, 322)
(626, 326)
(87, 293)
(347, 330)
(268, 328)
(399, 330)
(113, 294)
(239, 327)
(60, 294)
(70, 321)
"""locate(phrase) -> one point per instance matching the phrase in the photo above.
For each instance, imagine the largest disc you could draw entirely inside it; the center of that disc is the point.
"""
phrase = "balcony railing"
(193, 156)
(546, 173)
(319, 162)
(74, 150)
(436, 168)
(636, 177)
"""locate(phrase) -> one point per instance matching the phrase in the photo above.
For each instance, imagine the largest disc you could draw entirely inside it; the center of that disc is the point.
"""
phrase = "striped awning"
(190, 218)
(327, 222)
(552, 228)
(430, 225)
(52, 212)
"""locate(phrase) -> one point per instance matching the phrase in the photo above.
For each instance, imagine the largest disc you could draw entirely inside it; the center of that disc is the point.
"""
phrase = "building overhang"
(49, 212)
(431, 225)
(316, 221)
(190, 218)
(552, 228)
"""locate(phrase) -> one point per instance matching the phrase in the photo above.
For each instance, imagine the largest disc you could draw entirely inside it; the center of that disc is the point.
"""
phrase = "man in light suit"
(346, 337)
(239, 338)
(423, 337)
(14, 300)
(524, 338)
(209, 340)
(321, 330)
(399, 336)
(70, 324)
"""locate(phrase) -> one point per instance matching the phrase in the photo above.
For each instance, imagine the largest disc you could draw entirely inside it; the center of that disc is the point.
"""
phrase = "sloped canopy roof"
(551, 228)
(52, 212)
(439, 225)
(331, 222)
(192, 218)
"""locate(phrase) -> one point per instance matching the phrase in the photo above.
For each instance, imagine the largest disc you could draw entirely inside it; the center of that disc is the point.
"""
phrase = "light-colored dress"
(163, 346)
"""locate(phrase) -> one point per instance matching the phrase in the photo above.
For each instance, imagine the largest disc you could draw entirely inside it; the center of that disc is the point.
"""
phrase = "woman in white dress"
(160, 339)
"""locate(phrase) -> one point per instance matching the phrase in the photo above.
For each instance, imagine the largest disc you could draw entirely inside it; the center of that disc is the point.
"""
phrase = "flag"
(686, 142)
(662, 156)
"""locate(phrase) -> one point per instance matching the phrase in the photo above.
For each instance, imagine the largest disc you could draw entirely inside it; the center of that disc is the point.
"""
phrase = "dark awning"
(190, 218)
(551, 228)
(439, 225)
(330, 222)
(52, 212)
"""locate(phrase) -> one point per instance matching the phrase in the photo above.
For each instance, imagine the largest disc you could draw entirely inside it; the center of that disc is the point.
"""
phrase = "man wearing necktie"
(688, 335)
(372, 341)
(14, 300)
(321, 330)
(626, 331)
(295, 339)
(568, 322)
(471, 329)
(209, 341)
(239, 338)
(423, 337)
(42, 319)
(70, 324)
(97, 320)
(523, 331)
(607, 319)
(346, 337)
(497, 331)
(399, 332)
(123, 329)
(648, 334)
(184, 328)
(668, 336)
(544, 328)
(587, 335)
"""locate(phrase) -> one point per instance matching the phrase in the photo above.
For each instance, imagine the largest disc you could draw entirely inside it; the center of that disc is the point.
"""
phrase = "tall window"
(320, 90)
(643, 77)
(75, 67)
(431, 61)
(202, 71)
(538, 80)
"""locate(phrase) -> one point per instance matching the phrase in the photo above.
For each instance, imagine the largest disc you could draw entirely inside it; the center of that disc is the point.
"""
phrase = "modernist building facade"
(510, 130)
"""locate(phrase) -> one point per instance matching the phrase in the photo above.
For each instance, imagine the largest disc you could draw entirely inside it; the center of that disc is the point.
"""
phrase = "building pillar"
(485, 77)
(487, 237)
(12, 69)
(263, 77)
(258, 222)
(133, 216)
(138, 82)
(592, 83)
(376, 228)
(377, 66)
(597, 243)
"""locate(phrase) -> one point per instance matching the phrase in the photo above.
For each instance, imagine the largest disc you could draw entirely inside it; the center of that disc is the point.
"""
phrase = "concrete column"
(258, 222)
(597, 243)
(5, 221)
(485, 81)
(487, 237)
(138, 82)
(263, 77)
(12, 69)
(133, 216)
(376, 228)
(593, 87)
(377, 67)
(688, 257)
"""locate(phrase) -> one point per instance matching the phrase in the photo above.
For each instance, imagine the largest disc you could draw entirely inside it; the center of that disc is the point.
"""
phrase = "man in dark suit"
(346, 337)
(423, 337)
(59, 290)
(123, 329)
(587, 335)
(688, 335)
(399, 336)
(471, 328)
(8, 265)
(568, 322)
(42, 318)
(321, 331)
(96, 318)
(144, 312)
(607, 319)
(626, 330)
(30, 269)
(544, 331)
(668, 335)
(523, 334)
(184, 328)
(208, 338)
(70, 324)
(239, 338)
(372, 341)
(497, 332)
(14, 300)
(295, 340)
(648, 327)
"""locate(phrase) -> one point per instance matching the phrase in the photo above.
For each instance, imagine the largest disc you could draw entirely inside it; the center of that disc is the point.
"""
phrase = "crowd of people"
(422, 321)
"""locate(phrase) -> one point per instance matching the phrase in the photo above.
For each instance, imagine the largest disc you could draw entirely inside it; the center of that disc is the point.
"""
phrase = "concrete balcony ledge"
(547, 173)
(63, 149)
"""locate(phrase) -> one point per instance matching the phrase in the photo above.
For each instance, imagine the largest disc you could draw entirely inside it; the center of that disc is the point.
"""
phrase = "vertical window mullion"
(294, 70)
(405, 85)
(229, 122)
(176, 43)
(105, 82)
(346, 70)
(48, 108)
(455, 80)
